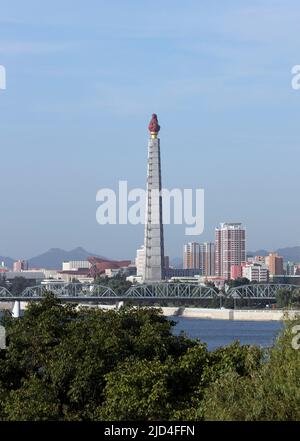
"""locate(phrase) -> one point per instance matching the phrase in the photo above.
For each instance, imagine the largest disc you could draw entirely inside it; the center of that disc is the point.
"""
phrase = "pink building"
(20, 265)
(236, 272)
(230, 248)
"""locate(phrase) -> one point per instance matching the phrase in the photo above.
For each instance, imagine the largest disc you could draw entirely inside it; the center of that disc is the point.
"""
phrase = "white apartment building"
(140, 261)
(74, 265)
(256, 272)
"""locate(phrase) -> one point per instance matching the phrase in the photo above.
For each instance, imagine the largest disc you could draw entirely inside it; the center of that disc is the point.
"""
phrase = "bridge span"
(81, 293)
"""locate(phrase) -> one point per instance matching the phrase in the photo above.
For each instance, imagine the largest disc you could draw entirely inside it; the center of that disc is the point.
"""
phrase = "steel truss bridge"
(80, 293)
(259, 291)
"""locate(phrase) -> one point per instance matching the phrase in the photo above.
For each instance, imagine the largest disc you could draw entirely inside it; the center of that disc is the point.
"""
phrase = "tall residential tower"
(200, 256)
(154, 236)
(230, 247)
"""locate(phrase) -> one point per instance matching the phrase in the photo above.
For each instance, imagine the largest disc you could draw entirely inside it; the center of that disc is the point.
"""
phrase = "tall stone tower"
(154, 236)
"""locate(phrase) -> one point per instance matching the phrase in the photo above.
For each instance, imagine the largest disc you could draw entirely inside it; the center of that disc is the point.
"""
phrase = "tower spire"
(154, 237)
(154, 127)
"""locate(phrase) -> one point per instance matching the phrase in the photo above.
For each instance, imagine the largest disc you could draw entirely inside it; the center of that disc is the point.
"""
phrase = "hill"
(53, 258)
(291, 254)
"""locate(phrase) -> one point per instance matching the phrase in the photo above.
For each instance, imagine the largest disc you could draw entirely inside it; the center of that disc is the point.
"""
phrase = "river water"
(218, 333)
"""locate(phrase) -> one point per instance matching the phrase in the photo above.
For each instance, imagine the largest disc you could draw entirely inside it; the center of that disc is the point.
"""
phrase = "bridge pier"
(120, 304)
(16, 312)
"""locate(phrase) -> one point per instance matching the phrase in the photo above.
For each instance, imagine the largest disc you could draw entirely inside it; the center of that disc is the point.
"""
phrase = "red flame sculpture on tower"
(154, 127)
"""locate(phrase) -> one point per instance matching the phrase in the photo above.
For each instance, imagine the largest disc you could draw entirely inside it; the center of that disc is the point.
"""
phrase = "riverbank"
(220, 333)
(230, 314)
(204, 313)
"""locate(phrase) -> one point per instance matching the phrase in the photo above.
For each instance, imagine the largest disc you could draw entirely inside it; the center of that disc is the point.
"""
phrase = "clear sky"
(83, 79)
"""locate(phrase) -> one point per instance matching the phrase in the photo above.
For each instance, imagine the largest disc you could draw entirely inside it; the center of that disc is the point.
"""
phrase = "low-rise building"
(193, 279)
(180, 272)
(113, 272)
(284, 279)
(219, 282)
(3, 268)
(99, 265)
(255, 272)
(33, 276)
(74, 275)
(75, 265)
(135, 279)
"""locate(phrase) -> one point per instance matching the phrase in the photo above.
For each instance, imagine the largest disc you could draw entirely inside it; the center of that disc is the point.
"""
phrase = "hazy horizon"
(82, 83)
(113, 257)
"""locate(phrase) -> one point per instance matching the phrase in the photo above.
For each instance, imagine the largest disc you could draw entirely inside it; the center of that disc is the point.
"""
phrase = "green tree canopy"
(65, 362)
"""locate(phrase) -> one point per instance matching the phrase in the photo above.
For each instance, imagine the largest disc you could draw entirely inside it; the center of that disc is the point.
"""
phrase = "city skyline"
(292, 254)
(73, 122)
(176, 255)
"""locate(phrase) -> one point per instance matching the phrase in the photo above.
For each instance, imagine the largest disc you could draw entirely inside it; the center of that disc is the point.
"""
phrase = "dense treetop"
(63, 362)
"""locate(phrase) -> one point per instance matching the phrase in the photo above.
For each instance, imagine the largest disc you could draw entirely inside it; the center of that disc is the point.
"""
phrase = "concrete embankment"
(223, 314)
(204, 313)
(230, 314)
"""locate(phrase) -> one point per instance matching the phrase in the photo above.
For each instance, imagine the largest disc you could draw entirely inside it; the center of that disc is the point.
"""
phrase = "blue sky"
(83, 79)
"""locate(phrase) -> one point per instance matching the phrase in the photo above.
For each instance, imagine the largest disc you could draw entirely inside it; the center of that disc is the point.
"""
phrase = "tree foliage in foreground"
(288, 298)
(68, 363)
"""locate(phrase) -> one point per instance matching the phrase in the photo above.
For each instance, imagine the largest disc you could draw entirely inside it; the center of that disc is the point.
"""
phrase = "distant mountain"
(8, 261)
(291, 254)
(53, 258)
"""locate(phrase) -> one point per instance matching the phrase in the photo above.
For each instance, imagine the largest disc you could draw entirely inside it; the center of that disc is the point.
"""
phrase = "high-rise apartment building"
(207, 253)
(20, 265)
(191, 256)
(200, 256)
(230, 248)
(275, 264)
